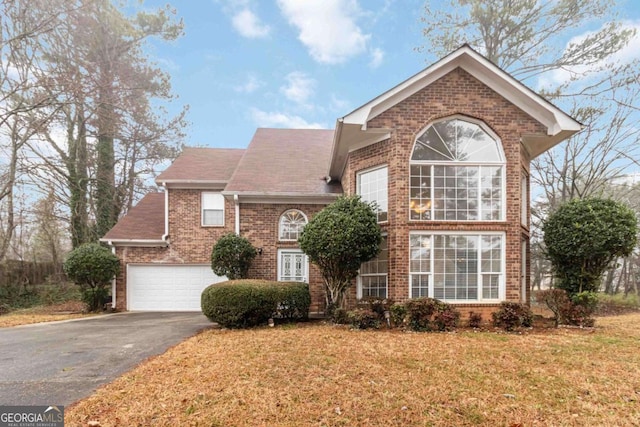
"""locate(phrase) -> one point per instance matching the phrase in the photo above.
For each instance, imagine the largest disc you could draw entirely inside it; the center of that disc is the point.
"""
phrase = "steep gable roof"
(143, 223)
(352, 132)
(201, 167)
(285, 162)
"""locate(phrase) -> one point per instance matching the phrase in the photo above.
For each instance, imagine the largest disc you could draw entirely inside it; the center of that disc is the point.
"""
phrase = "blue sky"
(245, 64)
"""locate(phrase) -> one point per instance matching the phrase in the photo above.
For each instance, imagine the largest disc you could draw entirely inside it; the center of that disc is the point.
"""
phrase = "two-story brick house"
(445, 155)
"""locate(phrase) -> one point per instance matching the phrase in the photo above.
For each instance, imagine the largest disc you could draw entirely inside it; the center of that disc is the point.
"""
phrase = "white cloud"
(299, 87)
(281, 120)
(250, 85)
(377, 55)
(327, 28)
(625, 56)
(249, 25)
(338, 104)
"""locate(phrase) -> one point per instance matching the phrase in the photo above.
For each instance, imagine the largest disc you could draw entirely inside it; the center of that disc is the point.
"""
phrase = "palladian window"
(457, 173)
(291, 224)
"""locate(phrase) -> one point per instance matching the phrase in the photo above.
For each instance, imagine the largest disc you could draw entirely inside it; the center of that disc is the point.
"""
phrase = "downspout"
(113, 281)
(236, 202)
(166, 212)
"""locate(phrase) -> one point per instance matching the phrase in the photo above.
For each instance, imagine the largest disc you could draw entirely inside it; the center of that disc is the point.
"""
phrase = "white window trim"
(503, 189)
(359, 278)
(224, 202)
(502, 293)
(502, 162)
(280, 224)
(372, 169)
(293, 251)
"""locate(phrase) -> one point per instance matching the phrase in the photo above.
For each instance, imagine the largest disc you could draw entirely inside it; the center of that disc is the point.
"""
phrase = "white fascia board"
(136, 242)
(489, 74)
(191, 184)
(295, 198)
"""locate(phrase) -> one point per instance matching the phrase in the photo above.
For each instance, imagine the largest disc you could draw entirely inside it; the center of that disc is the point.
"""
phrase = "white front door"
(292, 266)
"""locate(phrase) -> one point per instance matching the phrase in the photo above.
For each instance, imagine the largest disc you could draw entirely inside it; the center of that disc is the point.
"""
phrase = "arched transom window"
(291, 224)
(457, 173)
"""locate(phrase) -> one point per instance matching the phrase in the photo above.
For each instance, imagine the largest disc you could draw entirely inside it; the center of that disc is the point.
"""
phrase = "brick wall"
(456, 93)
(259, 224)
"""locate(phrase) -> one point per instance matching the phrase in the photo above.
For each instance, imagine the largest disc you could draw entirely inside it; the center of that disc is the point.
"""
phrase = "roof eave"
(559, 124)
(191, 183)
(282, 197)
(135, 242)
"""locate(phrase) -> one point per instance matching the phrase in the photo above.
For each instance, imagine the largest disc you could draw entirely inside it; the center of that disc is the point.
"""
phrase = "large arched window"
(457, 173)
(291, 224)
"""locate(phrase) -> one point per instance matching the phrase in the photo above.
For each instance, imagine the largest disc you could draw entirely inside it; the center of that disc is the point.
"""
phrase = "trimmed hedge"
(246, 303)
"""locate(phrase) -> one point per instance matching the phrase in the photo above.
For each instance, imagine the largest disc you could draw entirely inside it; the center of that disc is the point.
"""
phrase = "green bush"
(338, 239)
(340, 316)
(428, 314)
(231, 256)
(512, 315)
(584, 236)
(475, 320)
(247, 303)
(92, 267)
(577, 310)
(398, 314)
(364, 318)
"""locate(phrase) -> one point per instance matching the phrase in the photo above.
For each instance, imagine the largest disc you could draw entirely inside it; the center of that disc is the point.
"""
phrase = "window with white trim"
(212, 209)
(457, 174)
(372, 279)
(372, 187)
(291, 224)
(457, 267)
(293, 266)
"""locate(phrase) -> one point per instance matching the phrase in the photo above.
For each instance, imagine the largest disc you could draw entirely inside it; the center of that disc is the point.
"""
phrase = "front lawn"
(322, 375)
(44, 313)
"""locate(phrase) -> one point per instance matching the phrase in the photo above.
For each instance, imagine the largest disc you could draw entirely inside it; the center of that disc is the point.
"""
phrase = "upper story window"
(457, 174)
(212, 209)
(372, 187)
(291, 224)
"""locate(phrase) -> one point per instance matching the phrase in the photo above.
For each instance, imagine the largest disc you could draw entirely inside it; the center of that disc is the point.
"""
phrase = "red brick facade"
(457, 93)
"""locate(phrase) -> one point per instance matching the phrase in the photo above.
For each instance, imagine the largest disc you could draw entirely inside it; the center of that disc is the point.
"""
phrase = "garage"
(167, 287)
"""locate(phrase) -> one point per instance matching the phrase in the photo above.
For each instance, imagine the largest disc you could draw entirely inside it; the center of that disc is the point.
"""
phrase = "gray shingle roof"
(145, 221)
(285, 161)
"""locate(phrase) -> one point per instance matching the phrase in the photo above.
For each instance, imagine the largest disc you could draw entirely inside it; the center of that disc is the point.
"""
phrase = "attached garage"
(167, 287)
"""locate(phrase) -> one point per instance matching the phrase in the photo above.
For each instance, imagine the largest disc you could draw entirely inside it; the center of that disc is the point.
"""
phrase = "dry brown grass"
(49, 313)
(321, 375)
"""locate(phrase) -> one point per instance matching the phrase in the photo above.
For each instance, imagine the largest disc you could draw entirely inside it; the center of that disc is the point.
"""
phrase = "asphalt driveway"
(59, 363)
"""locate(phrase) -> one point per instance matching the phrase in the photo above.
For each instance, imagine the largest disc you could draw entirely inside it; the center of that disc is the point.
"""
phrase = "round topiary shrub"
(583, 237)
(247, 303)
(92, 267)
(231, 256)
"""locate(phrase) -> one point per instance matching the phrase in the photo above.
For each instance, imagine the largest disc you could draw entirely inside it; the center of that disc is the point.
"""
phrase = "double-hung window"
(457, 267)
(372, 187)
(457, 174)
(212, 209)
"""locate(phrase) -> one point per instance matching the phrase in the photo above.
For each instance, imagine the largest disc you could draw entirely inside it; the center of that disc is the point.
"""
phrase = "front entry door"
(292, 266)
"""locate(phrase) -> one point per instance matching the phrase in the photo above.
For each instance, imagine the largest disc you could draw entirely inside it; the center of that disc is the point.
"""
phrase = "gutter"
(165, 236)
(236, 202)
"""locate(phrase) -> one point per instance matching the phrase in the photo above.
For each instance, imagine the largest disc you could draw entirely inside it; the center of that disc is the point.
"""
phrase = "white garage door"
(167, 287)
